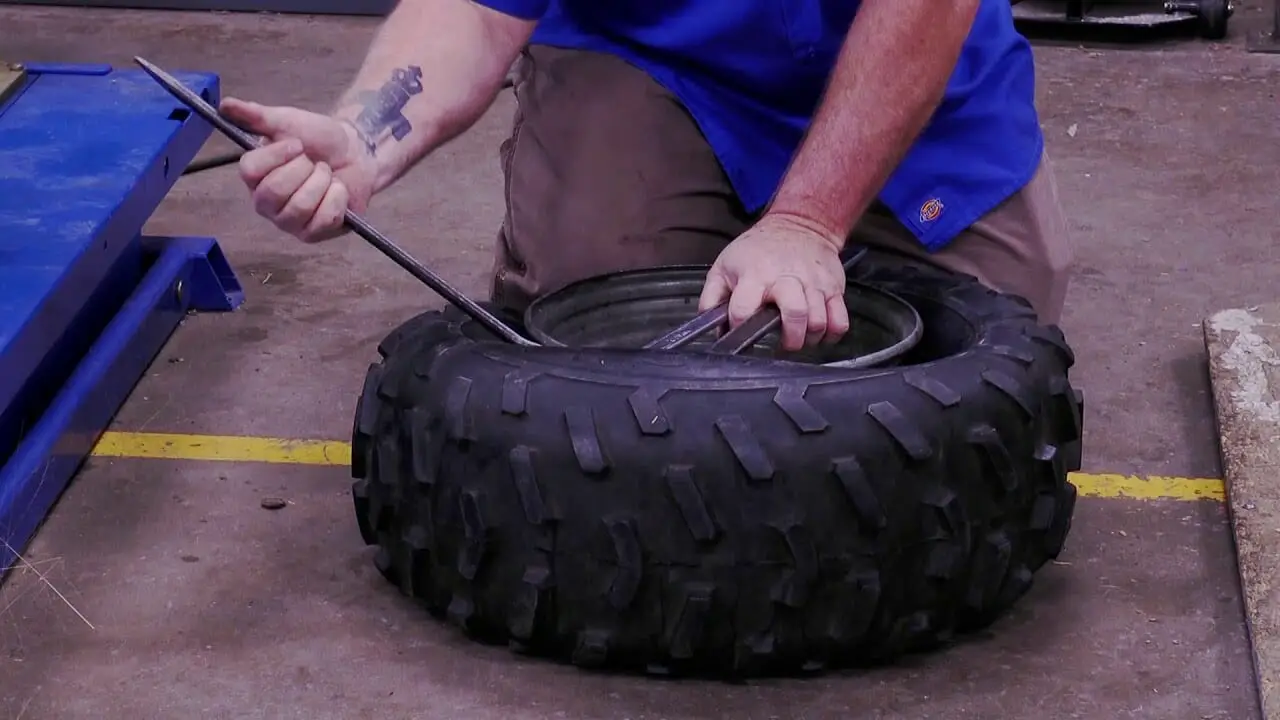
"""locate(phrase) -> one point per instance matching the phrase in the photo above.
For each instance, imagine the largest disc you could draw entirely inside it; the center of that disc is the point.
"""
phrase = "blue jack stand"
(87, 153)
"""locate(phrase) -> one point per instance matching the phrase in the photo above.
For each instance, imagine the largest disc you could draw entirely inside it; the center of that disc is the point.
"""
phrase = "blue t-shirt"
(751, 73)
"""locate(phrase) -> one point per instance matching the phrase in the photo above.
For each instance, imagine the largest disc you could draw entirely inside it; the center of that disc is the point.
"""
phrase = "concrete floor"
(204, 605)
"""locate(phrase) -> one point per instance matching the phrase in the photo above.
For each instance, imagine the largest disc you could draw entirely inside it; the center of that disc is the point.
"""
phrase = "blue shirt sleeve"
(523, 9)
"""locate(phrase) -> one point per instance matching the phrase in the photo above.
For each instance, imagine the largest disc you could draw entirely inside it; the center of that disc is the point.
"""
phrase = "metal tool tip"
(149, 68)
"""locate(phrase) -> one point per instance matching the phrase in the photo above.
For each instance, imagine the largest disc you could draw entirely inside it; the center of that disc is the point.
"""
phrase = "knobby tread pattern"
(687, 497)
(721, 516)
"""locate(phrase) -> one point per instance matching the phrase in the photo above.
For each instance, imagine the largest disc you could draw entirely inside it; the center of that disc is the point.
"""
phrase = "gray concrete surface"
(1245, 373)
(205, 605)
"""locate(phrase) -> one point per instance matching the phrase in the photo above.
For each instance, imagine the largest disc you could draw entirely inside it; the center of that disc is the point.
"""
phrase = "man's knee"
(1046, 245)
(1022, 247)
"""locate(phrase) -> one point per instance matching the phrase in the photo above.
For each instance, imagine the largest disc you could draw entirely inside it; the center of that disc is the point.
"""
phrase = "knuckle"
(322, 215)
(297, 202)
(263, 204)
(337, 205)
(330, 218)
(270, 196)
(326, 221)
(302, 167)
(250, 168)
(740, 306)
(293, 217)
(296, 213)
(341, 195)
(794, 311)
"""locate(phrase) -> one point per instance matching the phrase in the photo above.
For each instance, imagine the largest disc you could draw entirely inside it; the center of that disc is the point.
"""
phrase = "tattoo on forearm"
(382, 109)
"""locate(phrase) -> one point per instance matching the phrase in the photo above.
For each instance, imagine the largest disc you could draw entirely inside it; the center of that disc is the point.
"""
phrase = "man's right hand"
(309, 171)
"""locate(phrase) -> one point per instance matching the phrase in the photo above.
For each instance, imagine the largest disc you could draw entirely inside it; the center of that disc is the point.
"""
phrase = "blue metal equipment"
(87, 153)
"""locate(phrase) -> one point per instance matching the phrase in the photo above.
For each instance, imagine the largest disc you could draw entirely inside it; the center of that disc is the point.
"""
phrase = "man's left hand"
(791, 263)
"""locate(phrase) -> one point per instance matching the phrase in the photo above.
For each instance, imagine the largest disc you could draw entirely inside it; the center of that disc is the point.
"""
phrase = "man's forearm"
(431, 72)
(890, 77)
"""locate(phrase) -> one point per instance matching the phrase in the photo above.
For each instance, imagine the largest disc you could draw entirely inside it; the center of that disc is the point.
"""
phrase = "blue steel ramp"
(87, 153)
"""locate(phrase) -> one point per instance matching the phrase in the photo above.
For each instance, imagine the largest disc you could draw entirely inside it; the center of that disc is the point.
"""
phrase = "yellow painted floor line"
(1150, 487)
(229, 448)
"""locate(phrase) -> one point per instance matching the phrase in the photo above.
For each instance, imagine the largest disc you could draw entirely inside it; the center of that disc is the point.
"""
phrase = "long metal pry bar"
(357, 224)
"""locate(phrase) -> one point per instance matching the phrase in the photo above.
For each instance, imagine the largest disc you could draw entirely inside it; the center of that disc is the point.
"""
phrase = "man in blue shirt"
(754, 135)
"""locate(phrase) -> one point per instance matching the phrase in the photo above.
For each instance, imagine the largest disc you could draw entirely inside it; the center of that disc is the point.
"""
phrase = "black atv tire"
(718, 515)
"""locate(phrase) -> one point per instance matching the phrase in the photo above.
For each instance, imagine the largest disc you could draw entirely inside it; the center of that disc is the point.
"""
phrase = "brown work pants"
(606, 171)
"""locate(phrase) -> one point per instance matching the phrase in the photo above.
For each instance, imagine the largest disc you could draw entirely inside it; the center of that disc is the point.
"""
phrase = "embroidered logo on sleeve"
(931, 210)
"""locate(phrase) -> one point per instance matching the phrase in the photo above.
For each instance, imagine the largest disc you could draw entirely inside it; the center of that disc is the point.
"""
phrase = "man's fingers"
(746, 299)
(714, 291)
(837, 319)
(788, 293)
(248, 115)
(302, 205)
(269, 121)
(818, 317)
(322, 136)
(279, 185)
(327, 222)
(256, 164)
